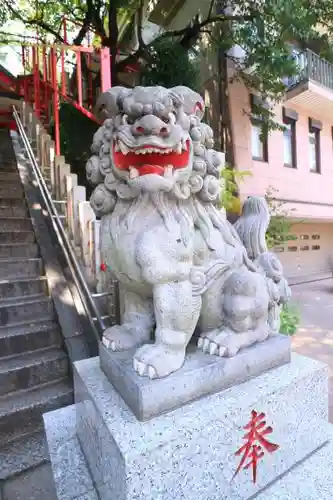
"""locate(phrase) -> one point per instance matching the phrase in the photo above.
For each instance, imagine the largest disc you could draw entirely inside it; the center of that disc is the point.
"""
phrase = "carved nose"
(151, 125)
(140, 130)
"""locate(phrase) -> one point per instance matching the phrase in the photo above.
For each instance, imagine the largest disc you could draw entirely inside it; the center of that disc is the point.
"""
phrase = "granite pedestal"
(189, 453)
(312, 479)
(200, 375)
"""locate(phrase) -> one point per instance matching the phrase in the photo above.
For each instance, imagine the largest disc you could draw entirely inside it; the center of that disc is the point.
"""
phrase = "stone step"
(21, 413)
(29, 336)
(22, 288)
(20, 268)
(10, 176)
(28, 370)
(8, 167)
(13, 202)
(22, 454)
(15, 224)
(14, 311)
(11, 182)
(15, 191)
(18, 250)
(17, 237)
(13, 210)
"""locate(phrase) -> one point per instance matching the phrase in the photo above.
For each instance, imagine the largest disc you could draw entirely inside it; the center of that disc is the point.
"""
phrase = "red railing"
(61, 72)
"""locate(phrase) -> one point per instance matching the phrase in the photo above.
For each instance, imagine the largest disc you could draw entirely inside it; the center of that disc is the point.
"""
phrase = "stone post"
(51, 161)
(58, 162)
(64, 170)
(78, 195)
(94, 227)
(86, 216)
(71, 181)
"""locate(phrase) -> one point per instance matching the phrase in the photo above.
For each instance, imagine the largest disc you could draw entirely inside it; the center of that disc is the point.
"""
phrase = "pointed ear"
(192, 102)
(109, 103)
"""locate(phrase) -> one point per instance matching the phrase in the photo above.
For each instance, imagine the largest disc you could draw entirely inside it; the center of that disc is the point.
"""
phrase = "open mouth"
(150, 159)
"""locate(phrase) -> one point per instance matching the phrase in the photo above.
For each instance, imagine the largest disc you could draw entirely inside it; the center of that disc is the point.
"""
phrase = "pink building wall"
(297, 185)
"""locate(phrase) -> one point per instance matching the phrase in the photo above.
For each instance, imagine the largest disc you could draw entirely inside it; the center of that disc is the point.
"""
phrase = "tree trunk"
(226, 127)
(113, 42)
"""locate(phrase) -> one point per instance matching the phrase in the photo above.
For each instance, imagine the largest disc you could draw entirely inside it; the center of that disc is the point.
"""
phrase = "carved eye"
(172, 118)
(169, 119)
(125, 120)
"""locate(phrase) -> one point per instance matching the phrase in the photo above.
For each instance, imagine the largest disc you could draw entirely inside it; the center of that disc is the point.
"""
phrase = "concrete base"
(70, 471)
(200, 375)
(312, 479)
(189, 453)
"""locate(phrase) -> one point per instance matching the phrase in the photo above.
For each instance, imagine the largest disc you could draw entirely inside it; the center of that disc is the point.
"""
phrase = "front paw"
(157, 360)
(227, 343)
(220, 343)
(122, 337)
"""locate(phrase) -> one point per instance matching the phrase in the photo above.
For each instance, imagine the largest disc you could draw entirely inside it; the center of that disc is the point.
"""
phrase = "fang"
(168, 171)
(133, 173)
(124, 149)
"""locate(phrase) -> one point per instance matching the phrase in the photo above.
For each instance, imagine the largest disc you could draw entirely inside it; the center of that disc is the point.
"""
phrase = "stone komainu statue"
(181, 264)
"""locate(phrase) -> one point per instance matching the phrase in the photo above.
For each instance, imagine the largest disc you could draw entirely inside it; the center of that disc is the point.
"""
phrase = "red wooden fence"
(61, 72)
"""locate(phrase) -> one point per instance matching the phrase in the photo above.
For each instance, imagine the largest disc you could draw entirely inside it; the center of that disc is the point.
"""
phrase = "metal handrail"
(66, 246)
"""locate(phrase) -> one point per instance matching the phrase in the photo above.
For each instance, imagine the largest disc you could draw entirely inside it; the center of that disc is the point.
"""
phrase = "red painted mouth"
(151, 163)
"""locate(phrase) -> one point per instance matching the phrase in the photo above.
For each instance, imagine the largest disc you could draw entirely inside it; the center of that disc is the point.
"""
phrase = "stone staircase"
(33, 367)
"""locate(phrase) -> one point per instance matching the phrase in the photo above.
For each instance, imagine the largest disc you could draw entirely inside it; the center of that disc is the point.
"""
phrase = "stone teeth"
(168, 171)
(184, 145)
(116, 147)
(178, 148)
(124, 149)
(133, 173)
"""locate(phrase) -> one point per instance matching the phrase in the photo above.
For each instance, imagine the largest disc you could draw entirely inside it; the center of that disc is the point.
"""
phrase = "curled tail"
(252, 226)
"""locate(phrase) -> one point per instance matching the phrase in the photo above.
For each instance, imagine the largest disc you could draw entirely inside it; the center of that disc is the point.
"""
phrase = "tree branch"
(190, 34)
(210, 11)
(85, 25)
(139, 24)
(34, 22)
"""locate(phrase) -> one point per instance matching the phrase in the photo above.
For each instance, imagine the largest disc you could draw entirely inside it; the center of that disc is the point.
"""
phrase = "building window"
(314, 146)
(289, 138)
(259, 136)
(315, 247)
(292, 249)
(304, 237)
(304, 248)
(315, 236)
(259, 142)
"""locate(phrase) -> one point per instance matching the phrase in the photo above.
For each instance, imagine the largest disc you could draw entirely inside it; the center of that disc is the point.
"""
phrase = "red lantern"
(103, 267)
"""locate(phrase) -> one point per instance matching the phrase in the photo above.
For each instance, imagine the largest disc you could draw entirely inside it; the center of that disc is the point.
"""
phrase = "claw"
(222, 351)
(152, 372)
(200, 342)
(206, 345)
(213, 348)
(135, 365)
(113, 345)
(141, 368)
(106, 342)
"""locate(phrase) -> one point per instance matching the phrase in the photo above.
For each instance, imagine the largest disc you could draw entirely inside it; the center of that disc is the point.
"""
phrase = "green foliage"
(290, 319)
(263, 29)
(230, 179)
(279, 230)
(169, 64)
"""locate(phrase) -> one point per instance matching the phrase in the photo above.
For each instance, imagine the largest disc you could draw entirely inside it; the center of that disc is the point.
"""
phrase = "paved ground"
(315, 335)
